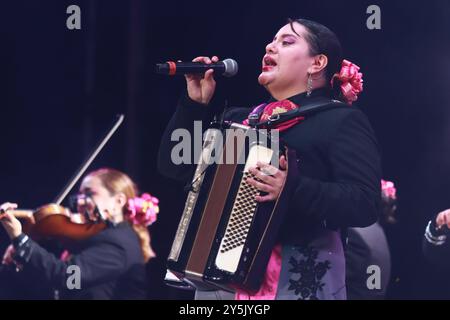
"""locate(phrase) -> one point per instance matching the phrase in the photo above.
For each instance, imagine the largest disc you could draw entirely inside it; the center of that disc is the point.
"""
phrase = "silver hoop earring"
(309, 85)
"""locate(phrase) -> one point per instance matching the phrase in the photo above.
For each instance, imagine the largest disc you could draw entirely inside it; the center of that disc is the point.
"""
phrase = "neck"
(116, 219)
(284, 94)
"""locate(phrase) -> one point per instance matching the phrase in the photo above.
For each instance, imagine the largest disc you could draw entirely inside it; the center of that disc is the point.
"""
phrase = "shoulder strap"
(319, 104)
(315, 105)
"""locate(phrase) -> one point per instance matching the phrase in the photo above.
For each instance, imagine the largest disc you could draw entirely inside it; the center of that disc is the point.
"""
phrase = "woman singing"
(111, 264)
(339, 162)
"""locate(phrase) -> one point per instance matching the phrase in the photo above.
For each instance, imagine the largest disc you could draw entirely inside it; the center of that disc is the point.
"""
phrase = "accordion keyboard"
(242, 214)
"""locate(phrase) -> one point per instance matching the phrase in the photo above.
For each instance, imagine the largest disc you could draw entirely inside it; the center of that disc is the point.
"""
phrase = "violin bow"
(89, 160)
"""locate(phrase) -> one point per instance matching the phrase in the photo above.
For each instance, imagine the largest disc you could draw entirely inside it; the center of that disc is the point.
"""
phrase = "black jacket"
(339, 165)
(111, 266)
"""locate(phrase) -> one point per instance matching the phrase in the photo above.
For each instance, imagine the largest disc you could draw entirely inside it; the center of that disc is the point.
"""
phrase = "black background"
(60, 90)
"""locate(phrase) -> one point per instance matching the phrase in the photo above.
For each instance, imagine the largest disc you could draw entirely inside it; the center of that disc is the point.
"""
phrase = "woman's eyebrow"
(285, 35)
(86, 190)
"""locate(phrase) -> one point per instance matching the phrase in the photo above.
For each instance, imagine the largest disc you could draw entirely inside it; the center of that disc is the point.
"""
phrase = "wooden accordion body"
(225, 238)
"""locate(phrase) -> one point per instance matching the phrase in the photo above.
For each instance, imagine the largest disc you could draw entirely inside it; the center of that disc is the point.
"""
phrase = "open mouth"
(268, 63)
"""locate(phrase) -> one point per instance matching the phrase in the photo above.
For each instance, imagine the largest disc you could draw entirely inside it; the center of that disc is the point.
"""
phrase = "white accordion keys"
(241, 217)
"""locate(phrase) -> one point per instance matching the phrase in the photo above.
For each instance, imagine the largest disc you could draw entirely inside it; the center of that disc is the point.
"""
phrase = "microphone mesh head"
(231, 67)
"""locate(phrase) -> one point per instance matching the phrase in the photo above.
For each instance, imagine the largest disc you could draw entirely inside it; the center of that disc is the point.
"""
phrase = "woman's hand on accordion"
(268, 179)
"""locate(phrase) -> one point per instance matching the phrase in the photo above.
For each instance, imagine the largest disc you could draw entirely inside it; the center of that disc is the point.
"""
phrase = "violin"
(53, 221)
(56, 222)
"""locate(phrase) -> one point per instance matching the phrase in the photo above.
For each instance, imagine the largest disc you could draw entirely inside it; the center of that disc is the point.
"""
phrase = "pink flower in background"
(388, 189)
(143, 210)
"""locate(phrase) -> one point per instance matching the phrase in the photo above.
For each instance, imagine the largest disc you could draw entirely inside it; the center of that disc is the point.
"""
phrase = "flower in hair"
(388, 189)
(143, 210)
(350, 79)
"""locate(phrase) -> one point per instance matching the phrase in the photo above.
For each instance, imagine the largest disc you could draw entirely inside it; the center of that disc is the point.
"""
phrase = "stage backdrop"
(61, 89)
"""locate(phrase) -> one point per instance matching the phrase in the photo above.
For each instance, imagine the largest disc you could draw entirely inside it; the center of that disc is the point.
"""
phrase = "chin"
(265, 79)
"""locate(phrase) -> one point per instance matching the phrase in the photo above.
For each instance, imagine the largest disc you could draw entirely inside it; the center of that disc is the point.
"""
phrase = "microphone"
(227, 68)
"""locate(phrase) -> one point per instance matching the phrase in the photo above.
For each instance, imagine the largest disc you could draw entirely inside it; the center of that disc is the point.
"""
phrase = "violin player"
(111, 263)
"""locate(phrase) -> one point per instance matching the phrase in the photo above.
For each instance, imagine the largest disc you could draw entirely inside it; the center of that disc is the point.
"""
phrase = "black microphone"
(227, 68)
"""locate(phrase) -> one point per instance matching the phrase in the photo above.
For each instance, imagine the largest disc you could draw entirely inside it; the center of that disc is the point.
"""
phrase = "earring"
(309, 85)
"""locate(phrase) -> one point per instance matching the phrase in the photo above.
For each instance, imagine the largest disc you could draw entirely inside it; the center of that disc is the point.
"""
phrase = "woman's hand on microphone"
(201, 87)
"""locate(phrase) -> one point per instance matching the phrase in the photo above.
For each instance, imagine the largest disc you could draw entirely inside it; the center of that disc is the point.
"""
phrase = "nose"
(270, 48)
(84, 204)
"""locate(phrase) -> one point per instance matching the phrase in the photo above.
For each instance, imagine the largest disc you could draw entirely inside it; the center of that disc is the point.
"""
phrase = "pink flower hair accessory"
(388, 189)
(351, 81)
(143, 210)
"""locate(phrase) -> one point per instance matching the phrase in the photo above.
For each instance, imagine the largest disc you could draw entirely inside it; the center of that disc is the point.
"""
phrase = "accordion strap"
(315, 105)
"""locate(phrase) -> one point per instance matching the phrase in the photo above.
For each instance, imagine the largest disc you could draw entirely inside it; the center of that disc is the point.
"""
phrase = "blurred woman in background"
(112, 262)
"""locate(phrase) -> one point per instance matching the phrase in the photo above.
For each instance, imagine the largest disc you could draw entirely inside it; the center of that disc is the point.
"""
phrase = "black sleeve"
(352, 197)
(101, 262)
(436, 246)
(186, 114)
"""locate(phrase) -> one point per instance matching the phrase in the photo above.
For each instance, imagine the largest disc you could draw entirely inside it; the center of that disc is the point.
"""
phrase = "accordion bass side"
(225, 238)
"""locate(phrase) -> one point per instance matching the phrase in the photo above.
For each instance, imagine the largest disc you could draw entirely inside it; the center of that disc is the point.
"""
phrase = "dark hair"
(322, 40)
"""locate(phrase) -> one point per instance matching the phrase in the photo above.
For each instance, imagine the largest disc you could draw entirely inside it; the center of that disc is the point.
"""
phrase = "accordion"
(225, 237)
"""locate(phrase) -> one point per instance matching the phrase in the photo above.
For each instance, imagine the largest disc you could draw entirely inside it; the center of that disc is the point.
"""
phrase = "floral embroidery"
(311, 273)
